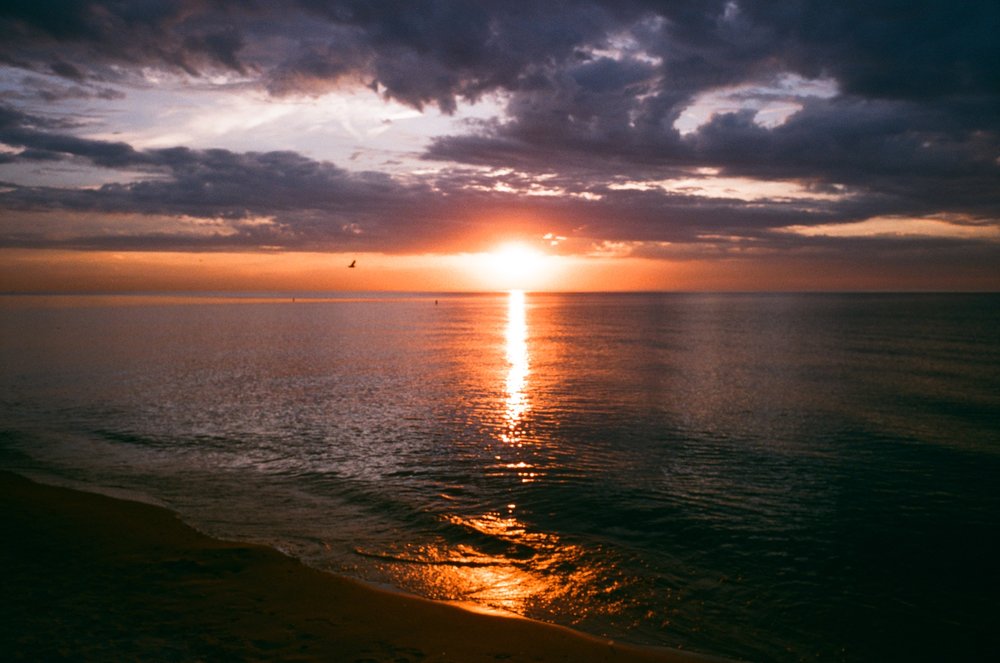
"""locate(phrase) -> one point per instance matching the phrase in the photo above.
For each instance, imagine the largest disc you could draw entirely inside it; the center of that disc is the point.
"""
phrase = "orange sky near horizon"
(36, 271)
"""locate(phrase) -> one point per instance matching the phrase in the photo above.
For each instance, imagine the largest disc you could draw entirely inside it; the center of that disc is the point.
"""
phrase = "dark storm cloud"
(35, 135)
(916, 50)
(892, 149)
(440, 50)
(437, 50)
(915, 120)
(418, 53)
(593, 92)
(47, 34)
(66, 70)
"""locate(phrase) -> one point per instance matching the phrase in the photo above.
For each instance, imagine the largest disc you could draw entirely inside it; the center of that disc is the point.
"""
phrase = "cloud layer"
(672, 128)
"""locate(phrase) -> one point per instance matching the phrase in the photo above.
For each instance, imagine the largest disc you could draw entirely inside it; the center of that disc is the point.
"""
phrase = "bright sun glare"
(516, 266)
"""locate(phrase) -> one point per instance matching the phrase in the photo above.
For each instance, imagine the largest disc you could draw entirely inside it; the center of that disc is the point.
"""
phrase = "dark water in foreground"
(769, 477)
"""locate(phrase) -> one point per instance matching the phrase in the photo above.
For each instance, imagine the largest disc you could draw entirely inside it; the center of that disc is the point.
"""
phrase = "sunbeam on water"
(517, 357)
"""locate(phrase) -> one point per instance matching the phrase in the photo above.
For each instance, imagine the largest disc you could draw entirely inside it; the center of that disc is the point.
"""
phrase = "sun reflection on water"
(517, 577)
(517, 402)
(517, 374)
(489, 554)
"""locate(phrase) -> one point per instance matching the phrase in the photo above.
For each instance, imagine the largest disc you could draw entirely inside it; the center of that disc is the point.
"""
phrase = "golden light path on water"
(517, 374)
(521, 581)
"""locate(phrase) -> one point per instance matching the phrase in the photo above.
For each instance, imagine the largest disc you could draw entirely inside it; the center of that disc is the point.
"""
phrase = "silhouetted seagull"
(351, 266)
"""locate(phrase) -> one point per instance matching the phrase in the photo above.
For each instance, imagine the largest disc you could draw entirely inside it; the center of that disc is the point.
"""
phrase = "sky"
(491, 144)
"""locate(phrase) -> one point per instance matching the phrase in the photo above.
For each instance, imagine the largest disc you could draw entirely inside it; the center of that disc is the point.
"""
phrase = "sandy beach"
(88, 577)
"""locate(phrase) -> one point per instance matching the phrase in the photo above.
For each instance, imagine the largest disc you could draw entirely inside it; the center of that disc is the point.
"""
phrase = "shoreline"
(92, 577)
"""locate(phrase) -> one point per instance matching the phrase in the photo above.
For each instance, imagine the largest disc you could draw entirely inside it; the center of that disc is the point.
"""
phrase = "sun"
(515, 266)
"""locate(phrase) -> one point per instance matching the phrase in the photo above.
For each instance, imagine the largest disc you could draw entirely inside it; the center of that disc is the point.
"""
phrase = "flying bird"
(351, 266)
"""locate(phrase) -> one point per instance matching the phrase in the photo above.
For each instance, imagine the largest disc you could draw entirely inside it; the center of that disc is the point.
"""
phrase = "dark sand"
(86, 577)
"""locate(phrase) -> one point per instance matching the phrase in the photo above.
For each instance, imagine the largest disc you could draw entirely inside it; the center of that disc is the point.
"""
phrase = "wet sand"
(90, 578)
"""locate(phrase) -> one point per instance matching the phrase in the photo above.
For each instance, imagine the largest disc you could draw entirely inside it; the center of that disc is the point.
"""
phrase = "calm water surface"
(766, 477)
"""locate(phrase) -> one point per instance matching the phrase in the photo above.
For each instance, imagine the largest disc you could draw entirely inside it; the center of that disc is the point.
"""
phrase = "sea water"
(767, 477)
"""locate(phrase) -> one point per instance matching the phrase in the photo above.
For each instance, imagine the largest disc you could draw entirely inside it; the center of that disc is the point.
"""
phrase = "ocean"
(769, 477)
